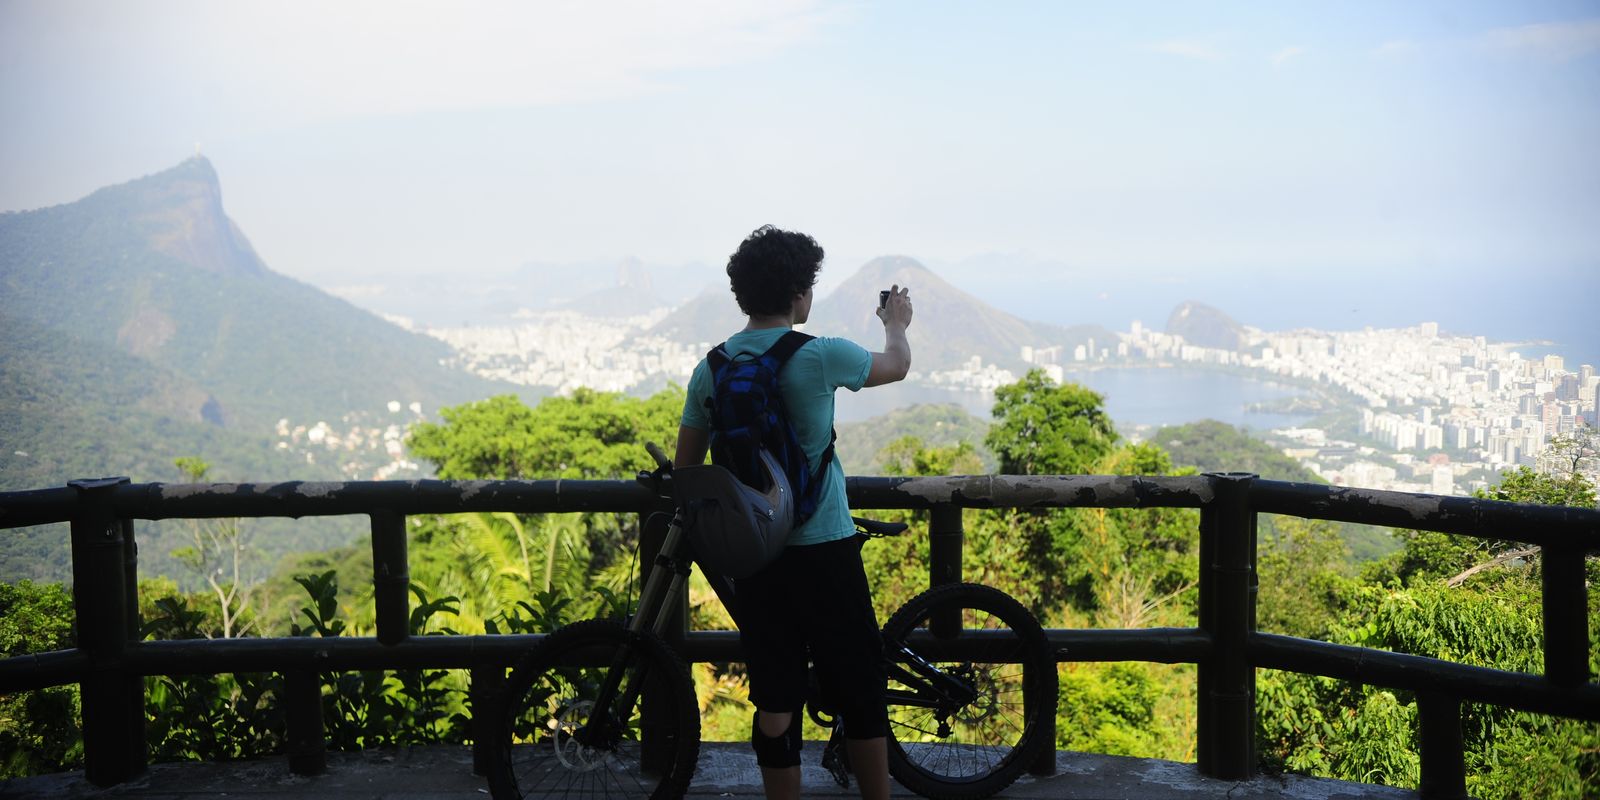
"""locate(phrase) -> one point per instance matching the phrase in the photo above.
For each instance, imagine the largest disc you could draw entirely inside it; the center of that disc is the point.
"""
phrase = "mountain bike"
(601, 708)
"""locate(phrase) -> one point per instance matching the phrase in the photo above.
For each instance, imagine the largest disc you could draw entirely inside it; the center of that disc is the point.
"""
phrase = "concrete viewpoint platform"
(726, 770)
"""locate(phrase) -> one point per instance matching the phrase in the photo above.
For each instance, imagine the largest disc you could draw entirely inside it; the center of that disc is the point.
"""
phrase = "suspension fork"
(668, 575)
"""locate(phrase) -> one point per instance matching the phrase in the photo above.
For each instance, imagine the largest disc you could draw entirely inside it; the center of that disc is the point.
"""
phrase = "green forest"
(1465, 600)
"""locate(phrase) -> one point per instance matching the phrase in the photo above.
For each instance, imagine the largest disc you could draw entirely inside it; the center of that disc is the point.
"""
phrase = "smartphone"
(883, 298)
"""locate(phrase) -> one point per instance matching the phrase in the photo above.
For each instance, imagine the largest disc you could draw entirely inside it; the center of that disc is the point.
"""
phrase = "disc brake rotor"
(566, 729)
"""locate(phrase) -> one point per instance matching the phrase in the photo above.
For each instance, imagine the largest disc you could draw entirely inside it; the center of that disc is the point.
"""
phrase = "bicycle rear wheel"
(559, 738)
(973, 729)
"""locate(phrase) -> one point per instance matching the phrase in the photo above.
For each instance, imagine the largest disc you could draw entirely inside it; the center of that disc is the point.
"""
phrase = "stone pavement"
(726, 770)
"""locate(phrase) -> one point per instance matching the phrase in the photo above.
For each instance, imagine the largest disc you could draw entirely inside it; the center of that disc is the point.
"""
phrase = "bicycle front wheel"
(971, 693)
(567, 732)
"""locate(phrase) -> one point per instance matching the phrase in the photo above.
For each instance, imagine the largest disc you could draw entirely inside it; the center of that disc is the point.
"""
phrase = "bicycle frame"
(933, 688)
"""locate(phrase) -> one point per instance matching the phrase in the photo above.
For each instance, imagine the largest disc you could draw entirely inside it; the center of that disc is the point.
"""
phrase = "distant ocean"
(1509, 305)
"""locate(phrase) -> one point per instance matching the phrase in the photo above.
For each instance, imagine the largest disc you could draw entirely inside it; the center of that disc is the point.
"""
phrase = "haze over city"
(1369, 163)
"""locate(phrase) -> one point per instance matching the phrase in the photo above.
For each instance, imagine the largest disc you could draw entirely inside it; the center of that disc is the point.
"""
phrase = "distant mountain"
(139, 325)
(949, 327)
(1202, 325)
(155, 270)
(632, 294)
(710, 317)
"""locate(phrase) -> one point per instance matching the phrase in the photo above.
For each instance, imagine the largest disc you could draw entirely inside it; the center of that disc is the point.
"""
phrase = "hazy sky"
(370, 141)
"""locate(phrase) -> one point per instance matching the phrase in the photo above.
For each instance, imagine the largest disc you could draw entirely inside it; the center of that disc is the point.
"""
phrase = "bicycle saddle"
(877, 529)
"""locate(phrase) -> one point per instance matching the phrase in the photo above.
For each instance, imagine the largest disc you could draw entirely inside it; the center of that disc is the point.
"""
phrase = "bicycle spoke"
(565, 743)
(960, 727)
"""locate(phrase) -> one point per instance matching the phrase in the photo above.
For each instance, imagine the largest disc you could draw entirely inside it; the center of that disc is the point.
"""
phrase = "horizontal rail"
(313, 498)
(1533, 524)
(42, 670)
(1160, 645)
(1419, 673)
(1155, 645)
(351, 653)
(1467, 516)
(1030, 491)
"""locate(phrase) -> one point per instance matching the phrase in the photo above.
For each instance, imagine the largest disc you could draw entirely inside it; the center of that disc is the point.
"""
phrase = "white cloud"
(1187, 49)
(1285, 54)
(1560, 41)
(399, 56)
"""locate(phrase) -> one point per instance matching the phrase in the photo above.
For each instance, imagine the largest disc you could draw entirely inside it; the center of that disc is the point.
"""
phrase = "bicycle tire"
(539, 749)
(986, 743)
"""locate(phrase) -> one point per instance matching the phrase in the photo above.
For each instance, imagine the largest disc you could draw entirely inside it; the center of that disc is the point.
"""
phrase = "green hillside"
(140, 326)
(936, 424)
(1212, 446)
(154, 269)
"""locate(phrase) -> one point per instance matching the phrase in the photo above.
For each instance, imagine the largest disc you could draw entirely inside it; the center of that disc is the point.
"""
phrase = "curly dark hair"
(770, 267)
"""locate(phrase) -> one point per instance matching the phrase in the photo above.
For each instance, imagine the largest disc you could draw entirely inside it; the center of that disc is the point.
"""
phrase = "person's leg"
(848, 654)
(869, 760)
(776, 736)
(775, 659)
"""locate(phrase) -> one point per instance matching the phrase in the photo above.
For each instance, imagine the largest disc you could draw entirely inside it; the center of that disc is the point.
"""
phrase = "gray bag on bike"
(735, 530)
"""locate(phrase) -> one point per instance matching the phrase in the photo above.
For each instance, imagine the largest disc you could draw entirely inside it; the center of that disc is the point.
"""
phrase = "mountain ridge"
(155, 268)
(949, 326)
(1206, 326)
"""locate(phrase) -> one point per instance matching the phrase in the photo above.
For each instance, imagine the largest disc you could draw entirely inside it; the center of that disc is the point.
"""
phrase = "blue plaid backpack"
(748, 417)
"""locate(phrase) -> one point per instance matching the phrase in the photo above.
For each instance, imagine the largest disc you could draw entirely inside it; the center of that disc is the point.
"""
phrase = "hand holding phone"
(901, 313)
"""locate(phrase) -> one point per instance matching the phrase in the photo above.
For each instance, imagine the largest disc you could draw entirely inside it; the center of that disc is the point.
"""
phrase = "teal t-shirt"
(807, 383)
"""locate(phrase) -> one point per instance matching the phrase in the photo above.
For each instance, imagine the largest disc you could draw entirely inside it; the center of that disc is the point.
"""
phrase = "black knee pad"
(776, 751)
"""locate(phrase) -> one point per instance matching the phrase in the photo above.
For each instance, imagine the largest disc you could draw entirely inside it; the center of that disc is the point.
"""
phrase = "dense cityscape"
(1428, 412)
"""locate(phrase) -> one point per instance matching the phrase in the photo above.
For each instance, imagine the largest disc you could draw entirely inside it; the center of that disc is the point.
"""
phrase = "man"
(813, 600)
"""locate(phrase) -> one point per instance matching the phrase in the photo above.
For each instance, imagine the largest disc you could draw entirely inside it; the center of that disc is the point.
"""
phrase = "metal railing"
(110, 661)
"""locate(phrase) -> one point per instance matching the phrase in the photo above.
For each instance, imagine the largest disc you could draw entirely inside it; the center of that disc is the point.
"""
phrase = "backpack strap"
(786, 346)
(782, 349)
(717, 357)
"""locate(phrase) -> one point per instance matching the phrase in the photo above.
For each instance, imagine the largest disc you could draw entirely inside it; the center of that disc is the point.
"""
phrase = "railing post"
(1226, 724)
(391, 576)
(945, 541)
(302, 711)
(138, 746)
(1566, 621)
(1444, 771)
(483, 691)
(112, 700)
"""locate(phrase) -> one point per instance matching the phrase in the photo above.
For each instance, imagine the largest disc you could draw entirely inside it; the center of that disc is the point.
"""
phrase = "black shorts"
(813, 602)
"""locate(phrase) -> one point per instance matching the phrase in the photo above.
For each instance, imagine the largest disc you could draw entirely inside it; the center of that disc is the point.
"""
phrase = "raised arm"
(895, 361)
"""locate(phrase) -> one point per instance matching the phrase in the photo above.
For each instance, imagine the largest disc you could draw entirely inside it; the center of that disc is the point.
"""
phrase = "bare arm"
(895, 361)
(692, 444)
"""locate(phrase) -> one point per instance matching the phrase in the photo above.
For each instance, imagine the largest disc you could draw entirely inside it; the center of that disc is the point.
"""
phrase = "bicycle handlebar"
(661, 457)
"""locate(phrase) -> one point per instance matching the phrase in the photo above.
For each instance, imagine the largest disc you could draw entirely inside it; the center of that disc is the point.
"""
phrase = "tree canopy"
(1045, 428)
